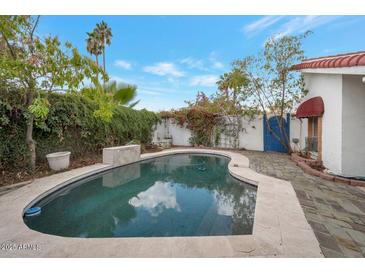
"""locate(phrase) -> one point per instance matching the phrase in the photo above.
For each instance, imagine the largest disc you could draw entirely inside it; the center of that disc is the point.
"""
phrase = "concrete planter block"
(121, 155)
(59, 160)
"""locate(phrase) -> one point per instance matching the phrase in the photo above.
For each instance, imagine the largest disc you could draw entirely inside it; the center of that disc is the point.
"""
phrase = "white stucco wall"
(298, 129)
(250, 138)
(161, 131)
(353, 126)
(180, 136)
(167, 128)
(329, 87)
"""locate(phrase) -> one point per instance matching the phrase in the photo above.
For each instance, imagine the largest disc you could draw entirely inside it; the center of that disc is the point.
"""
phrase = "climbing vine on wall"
(200, 122)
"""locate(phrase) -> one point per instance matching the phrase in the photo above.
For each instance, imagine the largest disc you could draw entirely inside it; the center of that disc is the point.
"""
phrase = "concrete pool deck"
(280, 227)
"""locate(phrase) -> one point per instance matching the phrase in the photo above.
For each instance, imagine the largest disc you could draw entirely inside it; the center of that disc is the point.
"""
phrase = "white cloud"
(211, 62)
(290, 24)
(261, 24)
(164, 69)
(159, 103)
(208, 80)
(300, 24)
(123, 64)
(149, 92)
(171, 80)
(214, 61)
(118, 79)
(193, 63)
(346, 22)
(218, 65)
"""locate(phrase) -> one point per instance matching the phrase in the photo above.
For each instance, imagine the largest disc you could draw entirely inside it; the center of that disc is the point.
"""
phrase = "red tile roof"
(336, 61)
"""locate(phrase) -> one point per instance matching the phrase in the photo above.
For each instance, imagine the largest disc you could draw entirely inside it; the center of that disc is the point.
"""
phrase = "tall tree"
(223, 84)
(273, 86)
(38, 66)
(93, 45)
(232, 85)
(104, 33)
(233, 82)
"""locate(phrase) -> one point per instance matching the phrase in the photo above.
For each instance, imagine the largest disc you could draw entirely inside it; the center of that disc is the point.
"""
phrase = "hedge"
(71, 126)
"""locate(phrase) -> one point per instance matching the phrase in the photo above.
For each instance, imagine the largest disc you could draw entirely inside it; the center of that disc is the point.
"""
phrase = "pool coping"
(280, 227)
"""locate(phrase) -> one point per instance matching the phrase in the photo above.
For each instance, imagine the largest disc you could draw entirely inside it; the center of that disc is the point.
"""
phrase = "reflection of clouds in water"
(228, 205)
(158, 197)
(225, 204)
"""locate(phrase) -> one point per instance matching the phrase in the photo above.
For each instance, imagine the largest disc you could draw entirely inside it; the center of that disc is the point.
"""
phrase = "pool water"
(178, 195)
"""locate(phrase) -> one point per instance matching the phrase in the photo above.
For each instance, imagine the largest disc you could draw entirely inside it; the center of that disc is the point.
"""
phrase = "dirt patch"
(13, 176)
(151, 149)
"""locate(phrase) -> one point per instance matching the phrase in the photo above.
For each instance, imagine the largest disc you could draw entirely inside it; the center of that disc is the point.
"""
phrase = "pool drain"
(33, 211)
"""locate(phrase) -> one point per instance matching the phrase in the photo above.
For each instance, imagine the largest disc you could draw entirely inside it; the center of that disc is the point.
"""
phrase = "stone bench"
(121, 155)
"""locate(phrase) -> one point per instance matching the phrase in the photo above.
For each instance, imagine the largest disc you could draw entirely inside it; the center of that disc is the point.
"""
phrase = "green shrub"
(70, 125)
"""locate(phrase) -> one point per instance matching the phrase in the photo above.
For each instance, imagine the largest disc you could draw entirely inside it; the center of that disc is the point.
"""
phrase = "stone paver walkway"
(336, 212)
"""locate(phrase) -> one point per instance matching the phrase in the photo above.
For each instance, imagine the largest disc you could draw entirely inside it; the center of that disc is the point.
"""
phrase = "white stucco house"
(335, 109)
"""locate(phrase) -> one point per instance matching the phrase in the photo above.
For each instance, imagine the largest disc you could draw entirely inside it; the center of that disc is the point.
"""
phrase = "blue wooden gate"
(271, 143)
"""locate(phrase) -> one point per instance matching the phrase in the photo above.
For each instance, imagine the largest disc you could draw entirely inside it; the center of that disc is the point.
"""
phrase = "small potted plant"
(59, 160)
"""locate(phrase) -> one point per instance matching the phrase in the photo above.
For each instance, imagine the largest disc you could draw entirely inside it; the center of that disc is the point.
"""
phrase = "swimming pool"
(176, 195)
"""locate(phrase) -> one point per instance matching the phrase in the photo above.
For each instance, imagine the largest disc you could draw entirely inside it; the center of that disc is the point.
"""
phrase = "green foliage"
(201, 116)
(37, 67)
(200, 121)
(70, 125)
(209, 117)
(232, 85)
(38, 64)
(39, 109)
(123, 94)
(109, 96)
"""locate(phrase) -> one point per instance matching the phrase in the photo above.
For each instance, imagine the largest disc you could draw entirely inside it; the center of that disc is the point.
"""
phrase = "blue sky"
(170, 58)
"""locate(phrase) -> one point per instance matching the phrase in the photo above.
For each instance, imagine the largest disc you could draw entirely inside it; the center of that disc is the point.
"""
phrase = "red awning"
(313, 107)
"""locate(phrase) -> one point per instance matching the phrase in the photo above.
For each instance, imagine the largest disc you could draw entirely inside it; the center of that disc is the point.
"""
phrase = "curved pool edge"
(238, 165)
(235, 159)
(279, 226)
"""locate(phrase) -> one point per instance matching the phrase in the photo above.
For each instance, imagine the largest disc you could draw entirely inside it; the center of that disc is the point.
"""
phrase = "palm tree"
(223, 84)
(109, 96)
(121, 94)
(237, 80)
(105, 35)
(93, 45)
(234, 80)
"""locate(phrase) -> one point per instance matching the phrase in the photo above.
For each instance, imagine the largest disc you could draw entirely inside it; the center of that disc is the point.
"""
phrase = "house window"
(314, 126)
(312, 140)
